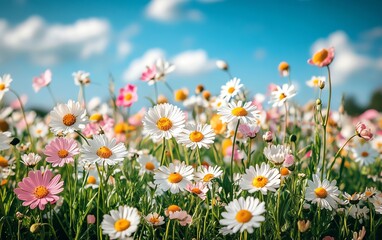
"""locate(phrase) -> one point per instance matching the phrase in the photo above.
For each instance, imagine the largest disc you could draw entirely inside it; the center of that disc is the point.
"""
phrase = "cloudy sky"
(253, 36)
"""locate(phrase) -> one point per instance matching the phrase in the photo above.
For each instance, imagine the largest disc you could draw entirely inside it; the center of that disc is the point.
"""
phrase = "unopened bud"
(222, 65)
(322, 85)
(199, 89)
(35, 228)
(206, 95)
(268, 136)
(318, 102)
(303, 225)
(293, 138)
(19, 215)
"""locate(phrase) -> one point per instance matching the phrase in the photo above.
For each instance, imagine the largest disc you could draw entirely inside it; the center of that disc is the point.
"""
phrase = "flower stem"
(51, 94)
(338, 153)
(286, 122)
(325, 124)
(232, 154)
(163, 151)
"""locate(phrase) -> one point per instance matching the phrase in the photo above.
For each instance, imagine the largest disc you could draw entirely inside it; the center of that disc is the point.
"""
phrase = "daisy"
(207, 174)
(30, 159)
(243, 214)
(154, 219)
(42, 81)
(246, 112)
(127, 96)
(121, 223)
(199, 189)
(171, 209)
(5, 140)
(316, 82)
(281, 94)
(60, 151)
(284, 69)
(39, 189)
(81, 78)
(364, 154)
(67, 118)
(181, 94)
(276, 154)
(39, 130)
(182, 216)
(249, 130)
(261, 178)
(102, 150)
(5, 81)
(377, 202)
(216, 103)
(163, 121)
(322, 58)
(197, 135)
(221, 64)
(163, 68)
(175, 177)
(352, 199)
(92, 181)
(148, 163)
(230, 89)
(323, 193)
(359, 213)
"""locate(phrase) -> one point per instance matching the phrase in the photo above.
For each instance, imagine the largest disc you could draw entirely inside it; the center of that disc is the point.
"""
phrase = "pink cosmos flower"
(363, 131)
(60, 151)
(39, 189)
(249, 130)
(42, 81)
(16, 104)
(199, 189)
(268, 136)
(289, 160)
(322, 58)
(136, 119)
(149, 73)
(182, 216)
(127, 96)
(106, 124)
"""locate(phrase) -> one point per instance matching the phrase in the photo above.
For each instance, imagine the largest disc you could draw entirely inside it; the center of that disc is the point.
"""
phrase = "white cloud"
(133, 72)
(348, 61)
(192, 62)
(170, 10)
(124, 46)
(47, 44)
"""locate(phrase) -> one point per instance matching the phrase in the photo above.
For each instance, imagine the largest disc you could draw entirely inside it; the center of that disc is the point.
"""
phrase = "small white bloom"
(316, 82)
(5, 82)
(230, 89)
(174, 178)
(197, 135)
(246, 113)
(30, 159)
(364, 154)
(148, 163)
(121, 223)
(81, 78)
(323, 193)
(276, 153)
(5, 140)
(282, 94)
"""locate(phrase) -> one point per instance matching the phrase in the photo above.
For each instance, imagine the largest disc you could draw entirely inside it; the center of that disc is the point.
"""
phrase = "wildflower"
(322, 58)
(5, 81)
(246, 112)
(136, 119)
(199, 89)
(249, 130)
(5, 140)
(42, 81)
(377, 202)
(127, 96)
(218, 103)
(289, 160)
(261, 178)
(154, 219)
(360, 235)
(303, 225)
(352, 199)
(149, 74)
(199, 189)
(39, 130)
(217, 125)
(223, 65)
(364, 154)
(268, 136)
(316, 82)
(67, 118)
(121, 223)
(148, 163)
(363, 131)
(276, 154)
(282, 94)
(81, 78)
(174, 178)
(30, 159)
(92, 181)
(163, 68)
(182, 216)
(243, 214)
(171, 209)
(90, 219)
(323, 193)
(284, 69)
(99, 123)
(39, 189)
(359, 213)
(103, 150)
(181, 94)
(197, 135)
(61, 151)
(163, 121)
(230, 89)
(206, 174)
(369, 193)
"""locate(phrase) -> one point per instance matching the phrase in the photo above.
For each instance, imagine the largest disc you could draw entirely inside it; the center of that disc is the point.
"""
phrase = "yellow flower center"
(62, 153)
(2, 86)
(315, 82)
(239, 112)
(321, 192)
(164, 124)
(104, 152)
(284, 171)
(174, 208)
(120, 128)
(243, 216)
(282, 96)
(92, 180)
(121, 225)
(196, 191)
(231, 90)
(175, 177)
(96, 117)
(364, 154)
(154, 220)
(196, 136)
(40, 192)
(180, 95)
(208, 177)
(69, 119)
(128, 97)
(3, 162)
(259, 181)
(150, 166)
(320, 56)
(283, 66)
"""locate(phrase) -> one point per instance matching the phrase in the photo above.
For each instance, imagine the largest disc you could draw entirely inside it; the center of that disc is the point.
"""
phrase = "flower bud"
(318, 102)
(322, 85)
(199, 89)
(222, 65)
(90, 219)
(303, 225)
(293, 138)
(19, 215)
(284, 69)
(35, 228)
(363, 131)
(268, 136)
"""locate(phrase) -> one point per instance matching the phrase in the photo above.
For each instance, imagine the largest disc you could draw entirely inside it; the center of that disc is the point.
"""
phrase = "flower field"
(192, 165)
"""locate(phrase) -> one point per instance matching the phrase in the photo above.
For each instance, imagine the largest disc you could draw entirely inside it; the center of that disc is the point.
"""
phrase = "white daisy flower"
(121, 223)
(67, 118)
(364, 154)
(316, 82)
(323, 193)
(30, 159)
(102, 150)
(206, 174)
(5, 81)
(81, 78)
(175, 177)
(92, 181)
(359, 213)
(276, 153)
(39, 130)
(197, 135)
(5, 140)
(243, 214)
(260, 178)
(281, 94)
(377, 202)
(163, 121)
(216, 103)
(163, 68)
(246, 113)
(148, 163)
(154, 219)
(230, 89)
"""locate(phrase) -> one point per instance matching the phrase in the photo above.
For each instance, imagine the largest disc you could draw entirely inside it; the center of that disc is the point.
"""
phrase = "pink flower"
(268, 136)
(127, 96)
(16, 104)
(42, 81)
(149, 73)
(60, 151)
(249, 130)
(328, 238)
(105, 123)
(39, 189)
(322, 58)
(363, 131)
(136, 119)
(289, 160)
(199, 189)
(91, 219)
(182, 216)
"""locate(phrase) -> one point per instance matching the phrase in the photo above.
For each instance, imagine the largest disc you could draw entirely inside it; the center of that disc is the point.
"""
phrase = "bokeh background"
(121, 37)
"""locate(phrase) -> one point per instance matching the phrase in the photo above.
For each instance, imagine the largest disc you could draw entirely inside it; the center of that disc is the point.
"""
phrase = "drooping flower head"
(249, 130)
(276, 154)
(127, 96)
(322, 58)
(42, 81)
(61, 151)
(30, 159)
(316, 82)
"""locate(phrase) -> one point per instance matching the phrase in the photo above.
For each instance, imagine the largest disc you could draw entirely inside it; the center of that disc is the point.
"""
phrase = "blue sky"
(253, 36)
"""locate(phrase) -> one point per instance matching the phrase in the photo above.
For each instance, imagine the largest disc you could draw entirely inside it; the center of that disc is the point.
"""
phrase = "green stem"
(338, 153)
(51, 94)
(286, 122)
(163, 151)
(232, 154)
(325, 124)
